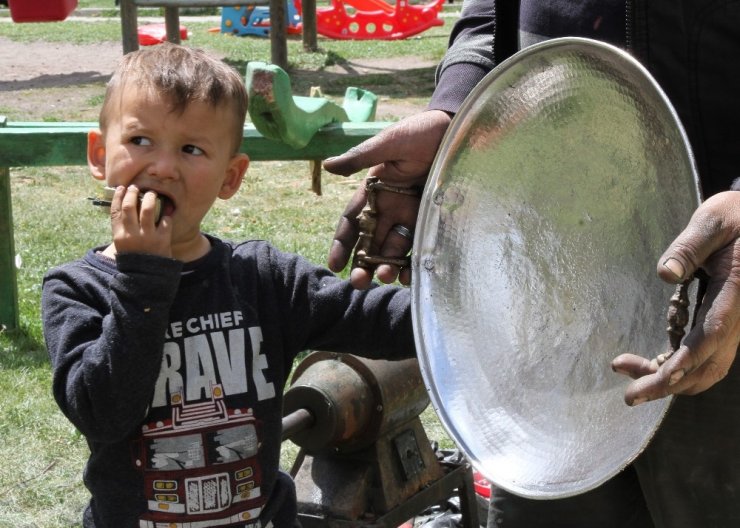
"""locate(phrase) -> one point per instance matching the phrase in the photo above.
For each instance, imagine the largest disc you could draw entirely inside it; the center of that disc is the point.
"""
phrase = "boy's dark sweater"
(175, 377)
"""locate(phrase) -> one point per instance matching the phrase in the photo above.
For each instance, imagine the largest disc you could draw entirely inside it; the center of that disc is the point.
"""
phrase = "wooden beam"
(37, 144)
(31, 144)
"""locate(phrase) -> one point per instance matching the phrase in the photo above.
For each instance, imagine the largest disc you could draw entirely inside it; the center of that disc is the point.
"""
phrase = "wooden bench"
(32, 144)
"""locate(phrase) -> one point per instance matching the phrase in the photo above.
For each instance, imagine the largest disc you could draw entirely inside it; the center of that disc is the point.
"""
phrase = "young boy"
(171, 348)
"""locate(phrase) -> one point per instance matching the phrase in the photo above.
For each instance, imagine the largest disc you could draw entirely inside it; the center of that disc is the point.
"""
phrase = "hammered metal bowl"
(559, 184)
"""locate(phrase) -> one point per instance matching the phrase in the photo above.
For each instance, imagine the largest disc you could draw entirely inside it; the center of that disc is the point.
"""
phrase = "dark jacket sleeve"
(484, 35)
(105, 334)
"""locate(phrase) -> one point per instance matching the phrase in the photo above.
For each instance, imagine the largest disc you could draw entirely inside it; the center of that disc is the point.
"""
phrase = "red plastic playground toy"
(375, 19)
(40, 10)
(151, 34)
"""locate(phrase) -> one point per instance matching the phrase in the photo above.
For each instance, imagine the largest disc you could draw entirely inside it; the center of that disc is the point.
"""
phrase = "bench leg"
(8, 283)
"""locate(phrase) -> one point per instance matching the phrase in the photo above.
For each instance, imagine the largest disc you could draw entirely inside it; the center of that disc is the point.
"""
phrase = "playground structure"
(343, 20)
(278, 44)
(255, 20)
(279, 115)
(40, 10)
(294, 120)
(45, 144)
(376, 19)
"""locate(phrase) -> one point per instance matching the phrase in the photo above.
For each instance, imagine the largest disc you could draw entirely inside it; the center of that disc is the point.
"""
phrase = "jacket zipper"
(628, 23)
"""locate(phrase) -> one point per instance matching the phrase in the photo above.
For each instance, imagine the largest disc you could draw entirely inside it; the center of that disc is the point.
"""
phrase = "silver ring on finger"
(404, 231)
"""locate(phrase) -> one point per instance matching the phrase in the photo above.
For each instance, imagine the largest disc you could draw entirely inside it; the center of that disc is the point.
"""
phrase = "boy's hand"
(134, 228)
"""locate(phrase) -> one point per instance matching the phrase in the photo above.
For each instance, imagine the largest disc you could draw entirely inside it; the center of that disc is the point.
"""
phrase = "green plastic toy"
(278, 114)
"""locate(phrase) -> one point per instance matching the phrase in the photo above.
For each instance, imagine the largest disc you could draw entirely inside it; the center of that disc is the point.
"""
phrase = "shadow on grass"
(382, 81)
(20, 349)
(54, 81)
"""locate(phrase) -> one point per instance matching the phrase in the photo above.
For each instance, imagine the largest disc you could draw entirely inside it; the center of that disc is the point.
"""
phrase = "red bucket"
(40, 10)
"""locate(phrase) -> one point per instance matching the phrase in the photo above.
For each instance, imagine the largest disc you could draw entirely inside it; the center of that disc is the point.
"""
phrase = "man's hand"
(710, 241)
(400, 155)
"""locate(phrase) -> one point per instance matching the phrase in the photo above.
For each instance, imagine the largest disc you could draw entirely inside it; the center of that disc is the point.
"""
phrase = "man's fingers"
(361, 278)
(370, 152)
(348, 163)
(652, 382)
(400, 154)
(634, 366)
(404, 173)
(397, 244)
(672, 379)
(710, 229)
(348, 229)
(693, 368)
(339, 256)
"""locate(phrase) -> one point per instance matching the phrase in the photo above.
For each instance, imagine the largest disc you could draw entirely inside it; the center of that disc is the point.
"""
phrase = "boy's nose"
(164, 165)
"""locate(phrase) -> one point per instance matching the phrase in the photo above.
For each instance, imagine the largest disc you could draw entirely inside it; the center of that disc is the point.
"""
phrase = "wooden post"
(308, 17)
(172, 24)
(8, 283)
(315, 167)
(129, 26)
(278, 32)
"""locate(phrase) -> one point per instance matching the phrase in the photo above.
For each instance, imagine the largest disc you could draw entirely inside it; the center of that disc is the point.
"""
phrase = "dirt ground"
(43, 79)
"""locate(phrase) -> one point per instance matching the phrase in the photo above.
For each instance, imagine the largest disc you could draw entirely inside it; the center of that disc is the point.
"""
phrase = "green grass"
(41, 454)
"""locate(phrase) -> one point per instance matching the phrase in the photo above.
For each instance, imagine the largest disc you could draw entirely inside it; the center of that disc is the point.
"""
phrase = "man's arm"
(402, 154)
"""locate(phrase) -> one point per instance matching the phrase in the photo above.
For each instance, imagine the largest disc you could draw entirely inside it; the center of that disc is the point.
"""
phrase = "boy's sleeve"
(327, 313)
(105, 336)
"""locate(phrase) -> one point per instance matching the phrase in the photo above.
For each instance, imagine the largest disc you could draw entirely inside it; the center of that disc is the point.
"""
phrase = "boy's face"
(186, 158)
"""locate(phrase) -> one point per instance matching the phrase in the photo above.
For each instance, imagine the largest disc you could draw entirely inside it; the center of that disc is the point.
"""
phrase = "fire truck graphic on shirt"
(201, 465)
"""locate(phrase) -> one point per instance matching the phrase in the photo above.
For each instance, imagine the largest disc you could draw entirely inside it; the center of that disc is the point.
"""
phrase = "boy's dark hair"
(181, 75)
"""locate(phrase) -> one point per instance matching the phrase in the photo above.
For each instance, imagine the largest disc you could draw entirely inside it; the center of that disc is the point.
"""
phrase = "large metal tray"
(558, 186)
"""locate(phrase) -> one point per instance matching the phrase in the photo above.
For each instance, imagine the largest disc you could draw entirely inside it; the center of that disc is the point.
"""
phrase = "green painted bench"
(30, 144)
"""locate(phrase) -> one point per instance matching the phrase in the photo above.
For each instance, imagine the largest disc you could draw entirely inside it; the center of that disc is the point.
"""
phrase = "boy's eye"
(141, 140)
(192, 149)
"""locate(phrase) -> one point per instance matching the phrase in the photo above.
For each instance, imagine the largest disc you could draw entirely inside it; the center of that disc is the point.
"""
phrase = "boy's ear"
(96, 154)
(234, 176)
